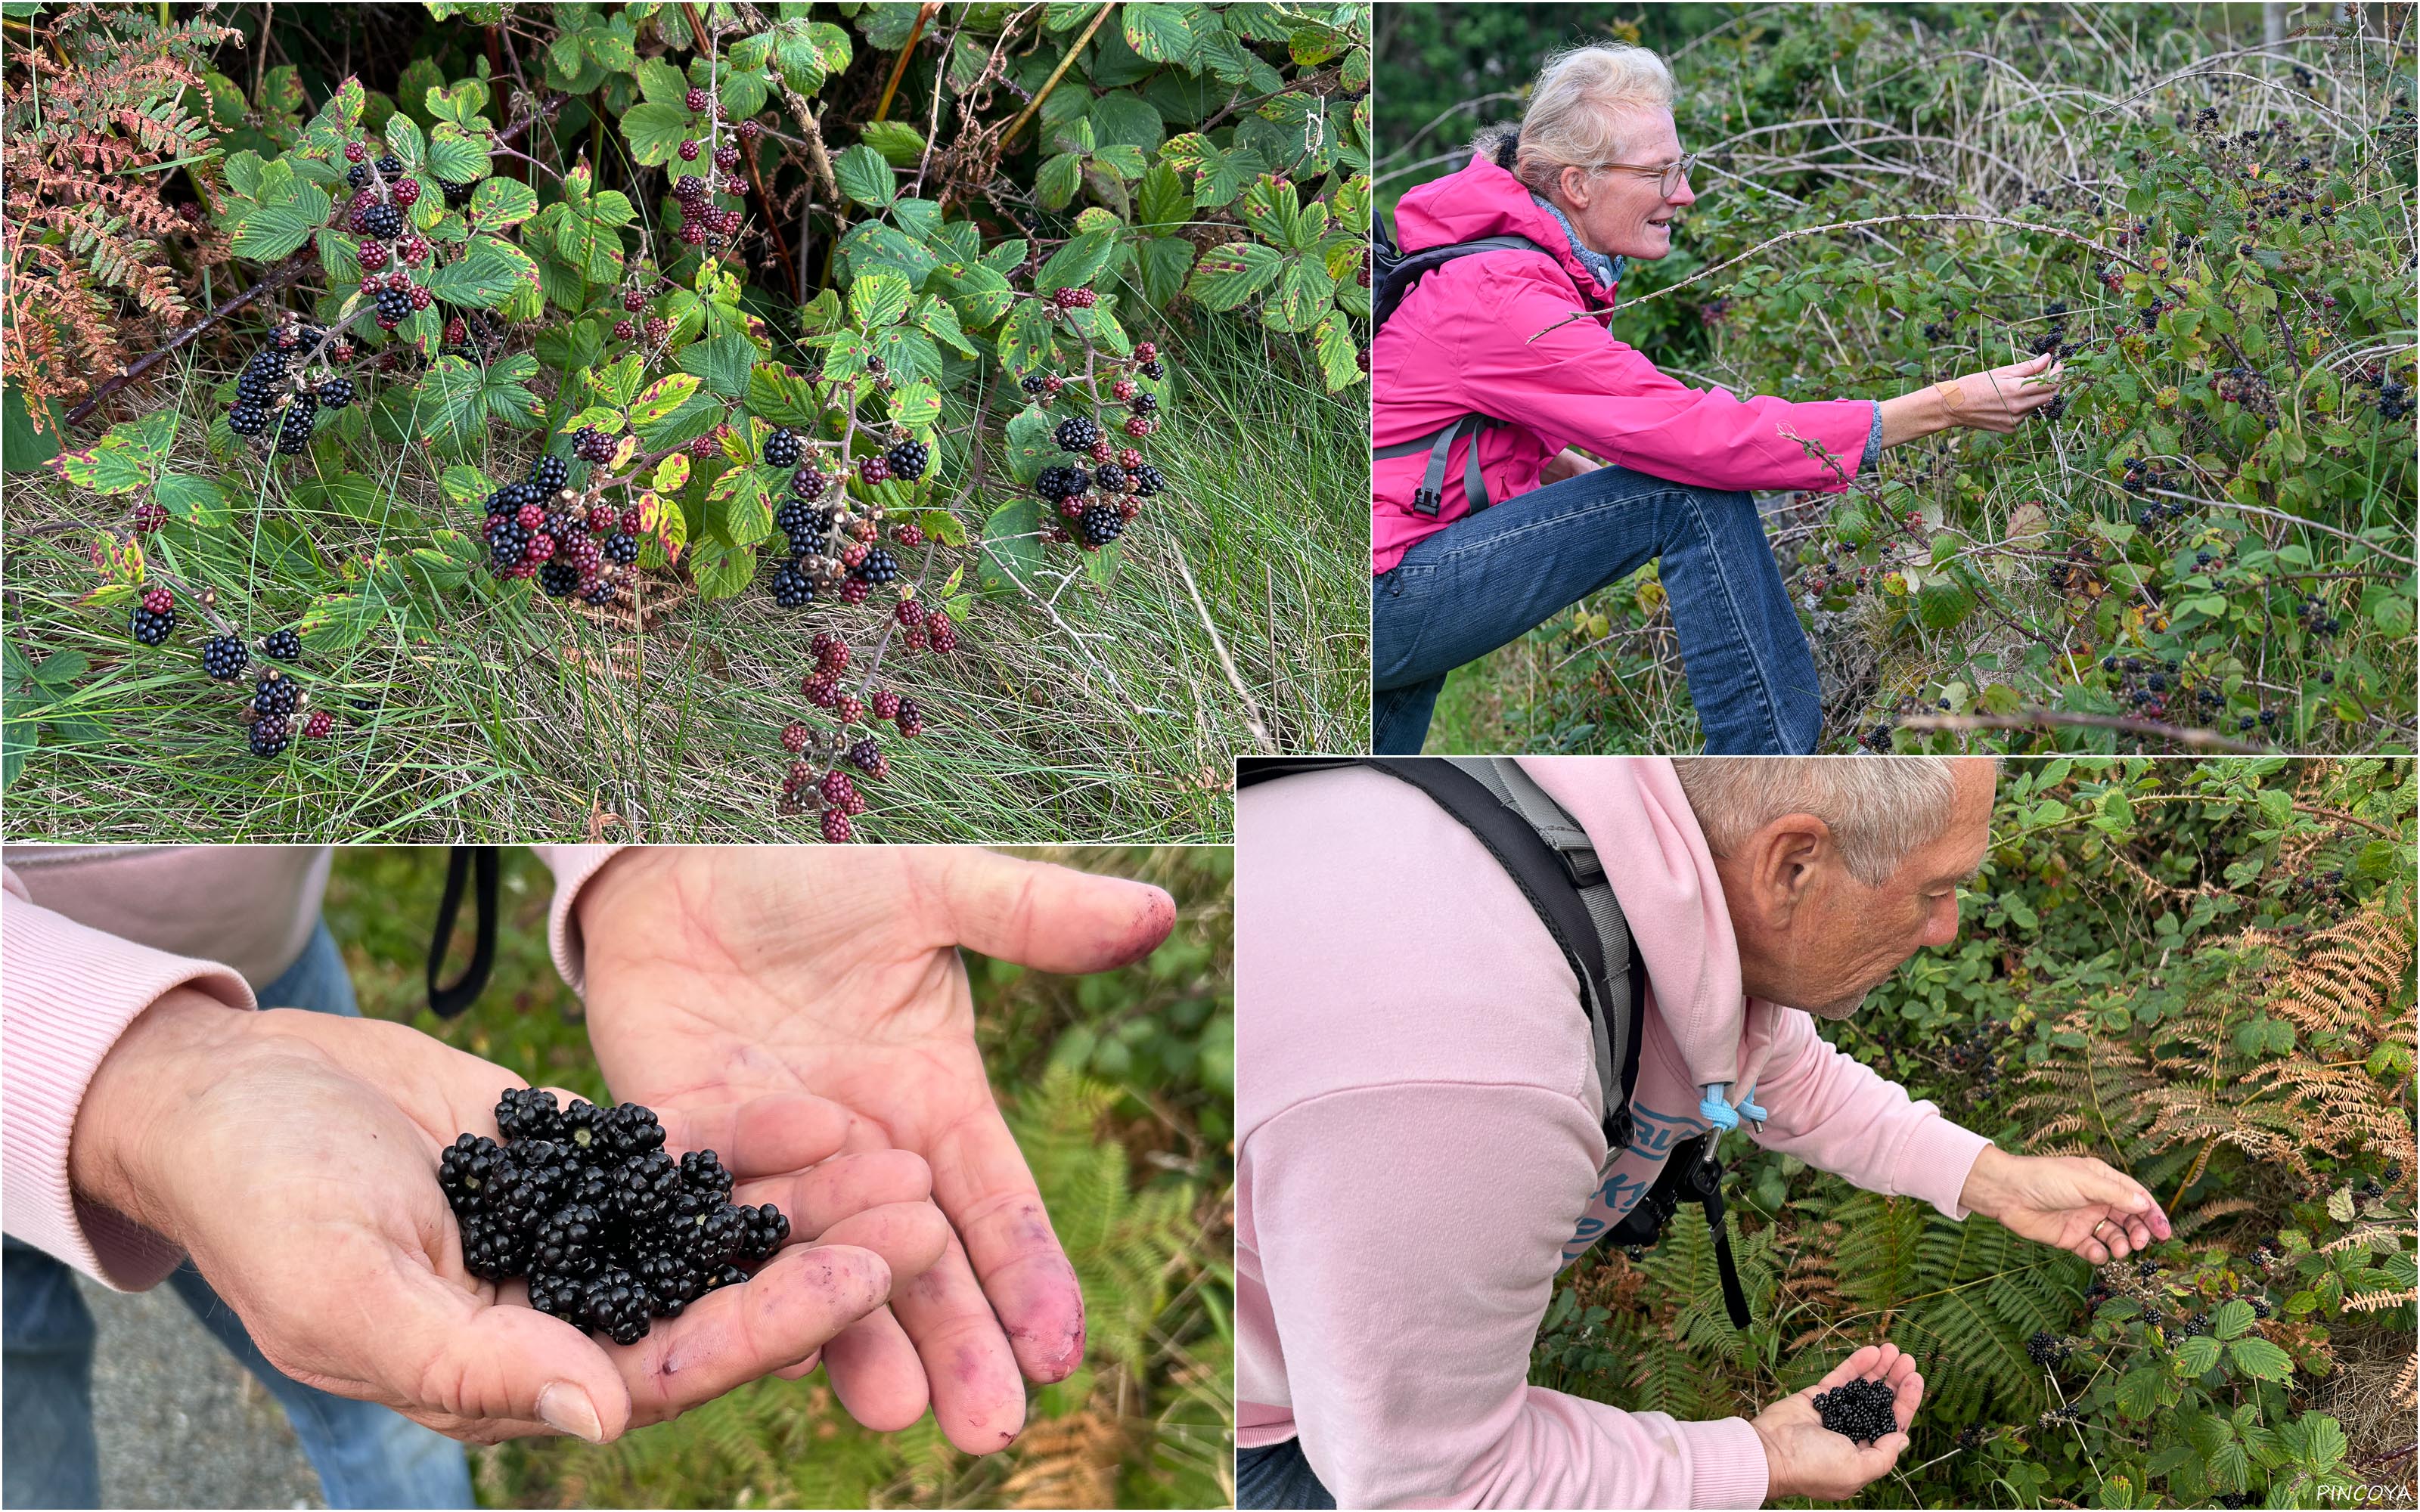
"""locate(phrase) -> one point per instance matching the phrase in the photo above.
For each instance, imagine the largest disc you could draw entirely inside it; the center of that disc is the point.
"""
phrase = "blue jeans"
(1491, 577)
(1278, 1475)
(367, 1455)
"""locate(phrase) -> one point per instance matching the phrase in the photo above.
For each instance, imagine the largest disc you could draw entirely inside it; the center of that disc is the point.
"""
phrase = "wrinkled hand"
(2072, 1202)
(1805, 1458)
(2001, 398)
(293, 1155)
(1567, 463)
(720, 975)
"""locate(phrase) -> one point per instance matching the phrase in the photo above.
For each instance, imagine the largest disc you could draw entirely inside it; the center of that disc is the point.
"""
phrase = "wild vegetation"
(2206, 544)
(2201, 973)
(1118, 1086)
(687, 421)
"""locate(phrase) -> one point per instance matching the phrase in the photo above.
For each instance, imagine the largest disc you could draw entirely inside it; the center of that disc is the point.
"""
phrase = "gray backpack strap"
(1429, 496)
(1613, 1022)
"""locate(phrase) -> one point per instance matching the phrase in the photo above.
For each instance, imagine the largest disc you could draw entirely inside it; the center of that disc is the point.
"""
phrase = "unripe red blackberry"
(1102, 451)
(634, 300)
(910, 611)
(915, 640)
(852, 554)
(830, 651)
(910, 537)
(1123, 390)
(593, 445)
(159, 600)
(1129, 459)
(372, 255)
(692, 233)
(689, 152)
(407, 193)
(318, 724)
(836, 828)
(726, 157)
(943, 631)
(850, 708)
(886, 703)
(856, 591)
(356, 152)
(822, 690)
(836, 787)
(150, 515)
(1138, 426)
(697, 99)
(794, 739)
(873, 470)
(1074, 299)
(749, 130)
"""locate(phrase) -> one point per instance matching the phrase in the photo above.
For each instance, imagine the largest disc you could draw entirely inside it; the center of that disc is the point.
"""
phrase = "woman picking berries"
(1503, 353)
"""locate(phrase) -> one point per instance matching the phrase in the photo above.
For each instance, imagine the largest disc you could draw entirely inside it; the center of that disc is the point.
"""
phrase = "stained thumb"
(1049, 917)
(448, 1354)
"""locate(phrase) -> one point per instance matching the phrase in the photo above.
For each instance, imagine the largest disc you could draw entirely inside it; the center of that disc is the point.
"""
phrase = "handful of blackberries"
(610, 1229)
(1860, 1410)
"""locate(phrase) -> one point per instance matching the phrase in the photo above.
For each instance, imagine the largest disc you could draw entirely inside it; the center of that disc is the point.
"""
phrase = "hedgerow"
(2199, 972)
(593, 318)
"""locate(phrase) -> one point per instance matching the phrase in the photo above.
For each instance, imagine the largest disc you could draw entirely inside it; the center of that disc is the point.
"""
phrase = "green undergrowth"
(1088, 710)
(2199, 972)
(1130, 1147)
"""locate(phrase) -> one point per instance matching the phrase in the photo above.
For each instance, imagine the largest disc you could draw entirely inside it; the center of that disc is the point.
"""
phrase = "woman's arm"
(1998, 400)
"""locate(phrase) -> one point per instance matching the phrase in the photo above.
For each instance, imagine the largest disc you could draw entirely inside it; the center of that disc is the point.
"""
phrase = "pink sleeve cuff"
(573, 865)
(70, 992)
(1726, 1459)
(1935, 1163)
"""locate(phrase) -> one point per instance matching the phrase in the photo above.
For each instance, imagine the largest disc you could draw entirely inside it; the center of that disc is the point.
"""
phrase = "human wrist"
(133, 1108)
(1778, 1484)
(1986, 1187)
(1913, 416)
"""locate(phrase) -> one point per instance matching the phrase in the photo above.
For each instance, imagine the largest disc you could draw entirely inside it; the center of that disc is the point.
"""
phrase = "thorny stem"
(2036, 718)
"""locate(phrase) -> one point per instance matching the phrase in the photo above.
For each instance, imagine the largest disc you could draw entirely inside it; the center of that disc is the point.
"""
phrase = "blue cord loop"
(1718, 1112)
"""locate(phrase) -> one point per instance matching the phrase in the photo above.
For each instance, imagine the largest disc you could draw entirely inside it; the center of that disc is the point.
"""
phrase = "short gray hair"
(1880, 808)
(1576, 107)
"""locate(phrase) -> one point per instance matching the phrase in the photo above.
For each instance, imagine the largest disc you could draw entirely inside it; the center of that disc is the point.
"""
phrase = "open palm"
(302, 1179)
(716, 976)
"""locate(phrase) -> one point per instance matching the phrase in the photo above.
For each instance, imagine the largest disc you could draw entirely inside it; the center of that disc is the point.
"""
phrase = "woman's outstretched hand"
(2000, 398)
(723, 974)
(1803, 1458)
(294, 1156)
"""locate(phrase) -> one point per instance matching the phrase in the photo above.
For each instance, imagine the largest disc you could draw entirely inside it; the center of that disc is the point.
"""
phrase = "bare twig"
(1251, 705)
(2041, 718)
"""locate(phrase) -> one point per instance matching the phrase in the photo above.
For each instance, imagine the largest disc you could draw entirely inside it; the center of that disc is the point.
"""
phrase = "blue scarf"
(1606, 269)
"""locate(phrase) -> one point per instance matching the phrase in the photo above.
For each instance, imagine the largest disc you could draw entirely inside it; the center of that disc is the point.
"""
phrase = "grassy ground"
(1109, 714)
(1131, 1150)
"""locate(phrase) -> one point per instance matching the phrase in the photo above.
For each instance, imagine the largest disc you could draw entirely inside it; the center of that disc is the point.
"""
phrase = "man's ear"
(1782, 860)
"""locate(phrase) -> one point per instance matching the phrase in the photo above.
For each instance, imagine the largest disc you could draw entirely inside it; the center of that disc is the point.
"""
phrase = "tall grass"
(1076, 710)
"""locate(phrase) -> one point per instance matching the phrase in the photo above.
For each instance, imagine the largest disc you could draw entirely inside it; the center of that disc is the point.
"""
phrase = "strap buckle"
(1427, 501)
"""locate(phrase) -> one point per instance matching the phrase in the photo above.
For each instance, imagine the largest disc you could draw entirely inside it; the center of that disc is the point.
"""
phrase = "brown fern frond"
(2206, 1213)
(1069, 1461)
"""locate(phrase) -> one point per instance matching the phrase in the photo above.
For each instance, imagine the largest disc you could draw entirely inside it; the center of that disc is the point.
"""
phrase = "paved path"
(181, 1424)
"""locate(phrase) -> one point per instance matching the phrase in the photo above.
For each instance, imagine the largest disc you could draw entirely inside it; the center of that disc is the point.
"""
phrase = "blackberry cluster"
(2047, 1349)
(1860, 1410)
(610, 1231)
(909, 460)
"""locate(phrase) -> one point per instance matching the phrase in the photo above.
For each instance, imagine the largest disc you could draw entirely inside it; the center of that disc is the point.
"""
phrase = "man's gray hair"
(1580, 106)
(1880, 808)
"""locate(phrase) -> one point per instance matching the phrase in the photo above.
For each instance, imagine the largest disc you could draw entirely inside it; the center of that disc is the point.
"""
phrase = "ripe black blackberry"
(248, 419)
(795, 518)
(393, 305)
(560, 579)
(257, 387)
(1060, 482)
(150, 629)
(294, 431)
(559, 1294)
(724, 1275)
(792, 588)
(467, 1169)
(2046, 1347)
(620, 550)
(456, 195)
(268, 362)
(782, 449)
(644, 1189)
(703, 1171)
(268, 734)
(1154, 370)
(879, 567)
(809, 484)
(282, 645)
(530, 1113)
(551, 474)
(766, 1228)
(1101, 524)
(532, 1182)
(1149, 480)
(715, 1237)
(1109, 478)
(616, 1305)
(492, 1249)
(224, 657)
(909, 460)
(390, 165)
(573, 1242)
(274, 694)
(1861, 1411)
(358, 176)
(1077, 433)
(507, 544)
(1143, 404)
(337, 393)
(628, 1129)
(382, 219)
(670, 1281)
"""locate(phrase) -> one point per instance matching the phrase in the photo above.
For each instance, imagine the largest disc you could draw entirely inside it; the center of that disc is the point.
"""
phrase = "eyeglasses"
(1668, 176)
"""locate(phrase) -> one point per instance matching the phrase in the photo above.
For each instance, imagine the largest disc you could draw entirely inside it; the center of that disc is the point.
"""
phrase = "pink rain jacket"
(1462, 344)
(1419, 1150)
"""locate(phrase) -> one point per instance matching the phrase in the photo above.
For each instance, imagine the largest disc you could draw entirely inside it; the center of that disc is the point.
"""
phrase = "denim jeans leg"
(367, 1455)
(1491, 577)
(1279, 1475)
(1400, 723)
(46, 1428)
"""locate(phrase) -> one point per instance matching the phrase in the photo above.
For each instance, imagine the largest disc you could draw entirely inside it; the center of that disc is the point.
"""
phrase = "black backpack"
(1393, 275)
(1551, 860)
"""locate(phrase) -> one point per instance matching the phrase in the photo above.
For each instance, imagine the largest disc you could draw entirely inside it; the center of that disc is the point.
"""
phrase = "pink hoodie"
(95, 935)
(1419, 1150)
(1473, 337)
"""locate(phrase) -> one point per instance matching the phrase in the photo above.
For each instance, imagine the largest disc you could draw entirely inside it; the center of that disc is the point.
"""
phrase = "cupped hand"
(721, 975)
(2073, 1202)
(2001, 398)
(294, 1155)
(1805, 1458)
